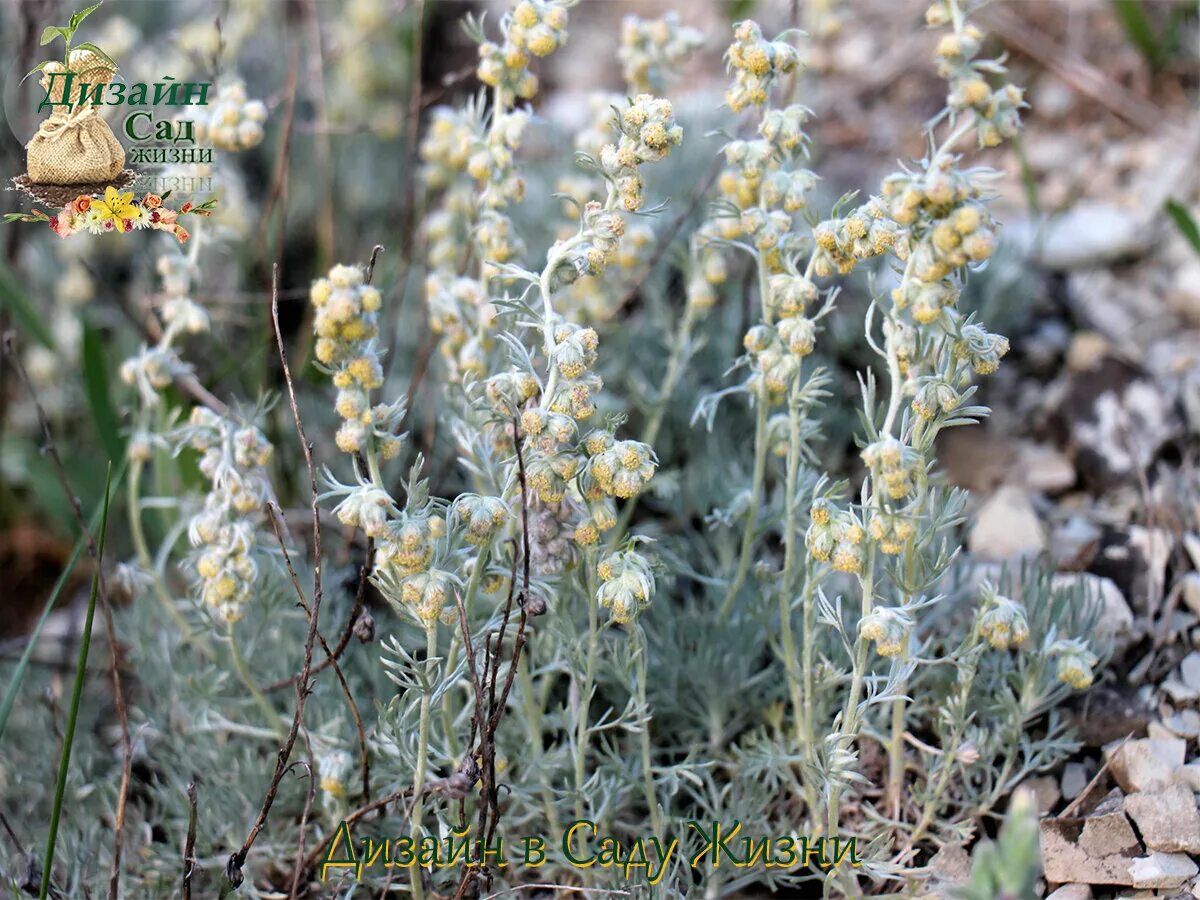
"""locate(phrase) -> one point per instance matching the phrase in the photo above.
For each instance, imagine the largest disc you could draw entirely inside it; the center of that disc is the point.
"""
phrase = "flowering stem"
(850, 722)
(760, 457)
(644, 735)
(452, 653)
(142, 549)
(585, 696)
(418, 886)
(756, 491)
(533, 720)
(670, 378)
(243, 673)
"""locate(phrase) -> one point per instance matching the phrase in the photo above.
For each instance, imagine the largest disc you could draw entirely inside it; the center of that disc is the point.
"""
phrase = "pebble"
(1167, 819)
(1162, 870)
(1006, 527)
(1090, 233)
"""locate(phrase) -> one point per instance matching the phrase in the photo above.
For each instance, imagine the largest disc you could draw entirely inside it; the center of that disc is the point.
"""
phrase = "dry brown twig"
(308, 802)
(189, 845)
(360, 596)
(50, 448)
(489, 709)
(364, 762)
(233, 869)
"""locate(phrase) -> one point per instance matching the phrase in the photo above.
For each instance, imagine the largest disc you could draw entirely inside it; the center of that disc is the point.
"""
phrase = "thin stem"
(418, 886)
(138, 535)
(585, 697)
(756, 492)
(452, 653)
(644, 735)
(533, 721)
(763, 401)
(247, 680)
(665, 390)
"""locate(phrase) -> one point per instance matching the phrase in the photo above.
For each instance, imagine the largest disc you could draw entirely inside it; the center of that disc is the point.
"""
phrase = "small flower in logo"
(152, 201)
(116, 206)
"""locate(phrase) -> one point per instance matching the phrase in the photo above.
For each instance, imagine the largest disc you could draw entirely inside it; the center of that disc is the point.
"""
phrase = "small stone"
(1045, 792)
(1178, 691)
(1167, 819)
(1091, 232)
(1107, 832)
(1184, 724)
(1006, 526)
(1072, 892)
(1074, 779)
(1066, 861)
(951, 864)
(1144, 764)
(1189, 670)
(1074, 542)
(1190, 591)
(1157, 731)
(1086, 350)
(1162, 870)
(1040, 467)
(1189, 775)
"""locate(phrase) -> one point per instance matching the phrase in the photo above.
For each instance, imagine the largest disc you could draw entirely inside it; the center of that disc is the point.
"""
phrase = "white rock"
(1178, 691)
(1189, 775)
(1040, 467)
(1184, 724)
(1090, 233)
(1072, 892)
(1167, 819)
(1162, 870)
(1006, 526)
(1145, 765)
(1189, 670)
(1190, 591)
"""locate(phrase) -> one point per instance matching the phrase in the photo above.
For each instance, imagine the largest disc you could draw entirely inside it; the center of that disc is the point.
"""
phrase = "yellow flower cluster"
(998, 112)
(425, 595)
(481, 517)
(627, 585)
(842, 243)
(648, 132)
(224, 532)
(776, 351)
(533, 28)
(755, 63)
(980, 348)
(346, 325)
(888, 628)
(891, 532)
(894, 465)
(1075, 663)
(619, 468)
(835, 536)
(1002, 621)
(653, 49)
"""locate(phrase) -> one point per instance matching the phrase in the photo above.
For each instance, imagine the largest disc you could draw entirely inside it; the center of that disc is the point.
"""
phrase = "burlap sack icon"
(74, 145)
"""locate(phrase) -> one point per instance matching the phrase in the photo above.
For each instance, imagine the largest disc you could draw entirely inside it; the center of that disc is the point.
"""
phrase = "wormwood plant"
(519, 621)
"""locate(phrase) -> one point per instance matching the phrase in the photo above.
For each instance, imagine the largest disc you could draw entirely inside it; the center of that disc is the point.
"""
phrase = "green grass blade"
(18, 676)
(96, 384)
(85, 643)
(1184, 222)
(14, 299)
(1140, 32)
